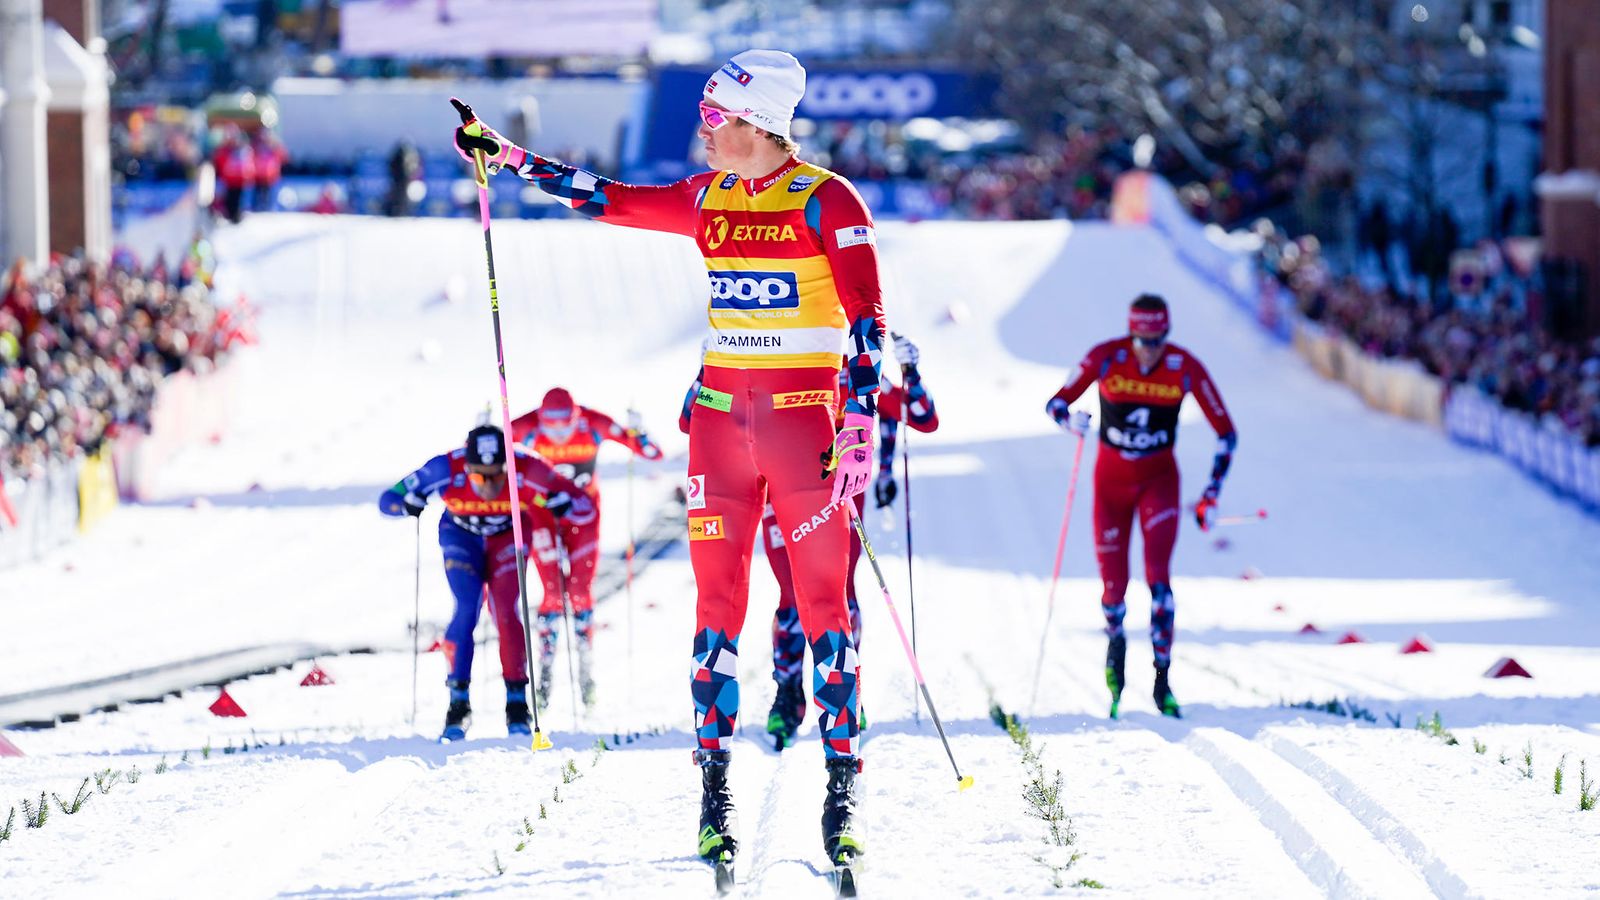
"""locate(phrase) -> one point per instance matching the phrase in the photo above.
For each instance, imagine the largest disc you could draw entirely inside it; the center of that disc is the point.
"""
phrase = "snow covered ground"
(1376, 526)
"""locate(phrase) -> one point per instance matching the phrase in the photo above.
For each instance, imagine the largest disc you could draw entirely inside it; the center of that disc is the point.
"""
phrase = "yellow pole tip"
(540, 742)
(965, 782)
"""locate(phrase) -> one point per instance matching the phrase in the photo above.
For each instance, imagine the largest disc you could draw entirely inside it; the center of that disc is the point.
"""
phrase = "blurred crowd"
(1480, 327)
(83, 347)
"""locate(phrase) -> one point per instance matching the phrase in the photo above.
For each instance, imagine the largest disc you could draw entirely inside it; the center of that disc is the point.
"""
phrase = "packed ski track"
(377, 353)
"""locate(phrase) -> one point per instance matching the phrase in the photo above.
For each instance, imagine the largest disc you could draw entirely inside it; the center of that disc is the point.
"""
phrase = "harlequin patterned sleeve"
(672, 208)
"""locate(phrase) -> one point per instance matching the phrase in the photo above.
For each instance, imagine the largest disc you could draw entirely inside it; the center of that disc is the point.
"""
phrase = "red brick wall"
(1571, 225)
(67, 174)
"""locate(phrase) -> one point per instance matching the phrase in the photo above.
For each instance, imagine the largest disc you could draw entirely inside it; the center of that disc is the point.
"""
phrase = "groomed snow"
(1375, 525)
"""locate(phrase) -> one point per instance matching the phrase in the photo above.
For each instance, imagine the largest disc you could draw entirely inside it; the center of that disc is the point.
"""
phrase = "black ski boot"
(517, 721)
(841, 838)
(1165, 702)
(788, 711)
(1116, 679)
(718, 819)
(459, 715)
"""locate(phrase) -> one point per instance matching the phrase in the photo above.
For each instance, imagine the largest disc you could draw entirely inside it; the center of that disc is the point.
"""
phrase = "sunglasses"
(1149, 343)
(479, 479)
(716, 118)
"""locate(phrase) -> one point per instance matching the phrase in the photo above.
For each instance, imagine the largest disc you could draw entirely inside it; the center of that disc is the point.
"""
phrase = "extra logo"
(1133, 387)
(754, 290)
(705, 528)
(717, 229)
(695, 495)
(797, 399)
(737, 73)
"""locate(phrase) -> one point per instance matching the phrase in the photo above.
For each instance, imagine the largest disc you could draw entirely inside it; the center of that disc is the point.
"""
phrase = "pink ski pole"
(963, 781)
(480, 173)
(1055, 572)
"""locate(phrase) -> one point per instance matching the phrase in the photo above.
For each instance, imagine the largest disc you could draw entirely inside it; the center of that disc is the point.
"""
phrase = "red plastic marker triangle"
(1507, 668)
(316, 677)
(1309, 628)
(227, 707)
(1418, 644)
(1350, 637)
(9, 749)
(435, 647)
(1277, 607)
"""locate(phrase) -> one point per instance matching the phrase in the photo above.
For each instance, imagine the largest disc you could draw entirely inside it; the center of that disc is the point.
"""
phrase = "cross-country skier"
(910, 403)
(1143, 379)
(476, 539)
(791, 254)
(568, 436)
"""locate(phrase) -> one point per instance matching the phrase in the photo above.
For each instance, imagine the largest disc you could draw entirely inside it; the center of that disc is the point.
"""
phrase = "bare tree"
(1213, 78)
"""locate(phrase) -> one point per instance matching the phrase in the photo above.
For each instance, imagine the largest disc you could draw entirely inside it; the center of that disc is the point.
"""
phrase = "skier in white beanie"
(791, 254)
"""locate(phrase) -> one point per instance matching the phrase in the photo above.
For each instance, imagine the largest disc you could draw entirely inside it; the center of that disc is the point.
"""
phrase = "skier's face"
(1148, 347)
(558, 426)
(729, 144)
(488, 482)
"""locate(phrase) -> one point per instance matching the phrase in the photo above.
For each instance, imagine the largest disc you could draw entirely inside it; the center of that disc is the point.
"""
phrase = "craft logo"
(801, 398)
(695, 496)
(705, 528)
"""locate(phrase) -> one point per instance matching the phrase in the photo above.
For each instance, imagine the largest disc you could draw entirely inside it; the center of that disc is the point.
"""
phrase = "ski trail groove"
(302, 818)
(1371, 813)
(1335, 851)
(775, 848)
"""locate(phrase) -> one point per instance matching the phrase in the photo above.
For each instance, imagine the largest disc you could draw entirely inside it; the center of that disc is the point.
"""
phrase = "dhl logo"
(801, 398)
(477, 507)
(705, 528)
(1132, 387)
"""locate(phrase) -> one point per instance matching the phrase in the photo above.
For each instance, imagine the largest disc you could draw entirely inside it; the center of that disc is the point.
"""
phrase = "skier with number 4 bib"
(791, 256)
(1143, 379)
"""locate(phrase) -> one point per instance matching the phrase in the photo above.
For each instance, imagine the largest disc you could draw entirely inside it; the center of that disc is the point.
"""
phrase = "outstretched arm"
(632, 438)
(410, 495)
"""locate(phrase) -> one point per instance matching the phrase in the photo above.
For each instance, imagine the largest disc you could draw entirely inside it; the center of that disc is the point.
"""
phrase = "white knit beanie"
(768, 83)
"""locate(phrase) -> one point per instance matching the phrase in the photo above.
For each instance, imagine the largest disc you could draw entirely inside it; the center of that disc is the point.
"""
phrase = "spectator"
(236, 170)
(1486, 341)
(83, 348)
(270, 155)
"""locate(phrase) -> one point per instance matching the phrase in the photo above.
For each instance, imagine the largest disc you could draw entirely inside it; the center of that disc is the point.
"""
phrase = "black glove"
(558, 504)
(414, 505)
(885, 489)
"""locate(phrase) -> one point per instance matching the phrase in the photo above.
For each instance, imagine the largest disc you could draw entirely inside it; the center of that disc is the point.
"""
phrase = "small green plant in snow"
(1587, 795)
(1526, 769)
(1560, 773)
(35, 816)
(78, 800)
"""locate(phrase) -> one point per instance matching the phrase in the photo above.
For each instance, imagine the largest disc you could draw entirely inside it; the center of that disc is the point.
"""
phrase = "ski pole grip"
(463, 110)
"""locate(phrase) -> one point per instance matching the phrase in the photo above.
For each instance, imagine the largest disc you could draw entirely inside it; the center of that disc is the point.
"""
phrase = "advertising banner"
(456, 29)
